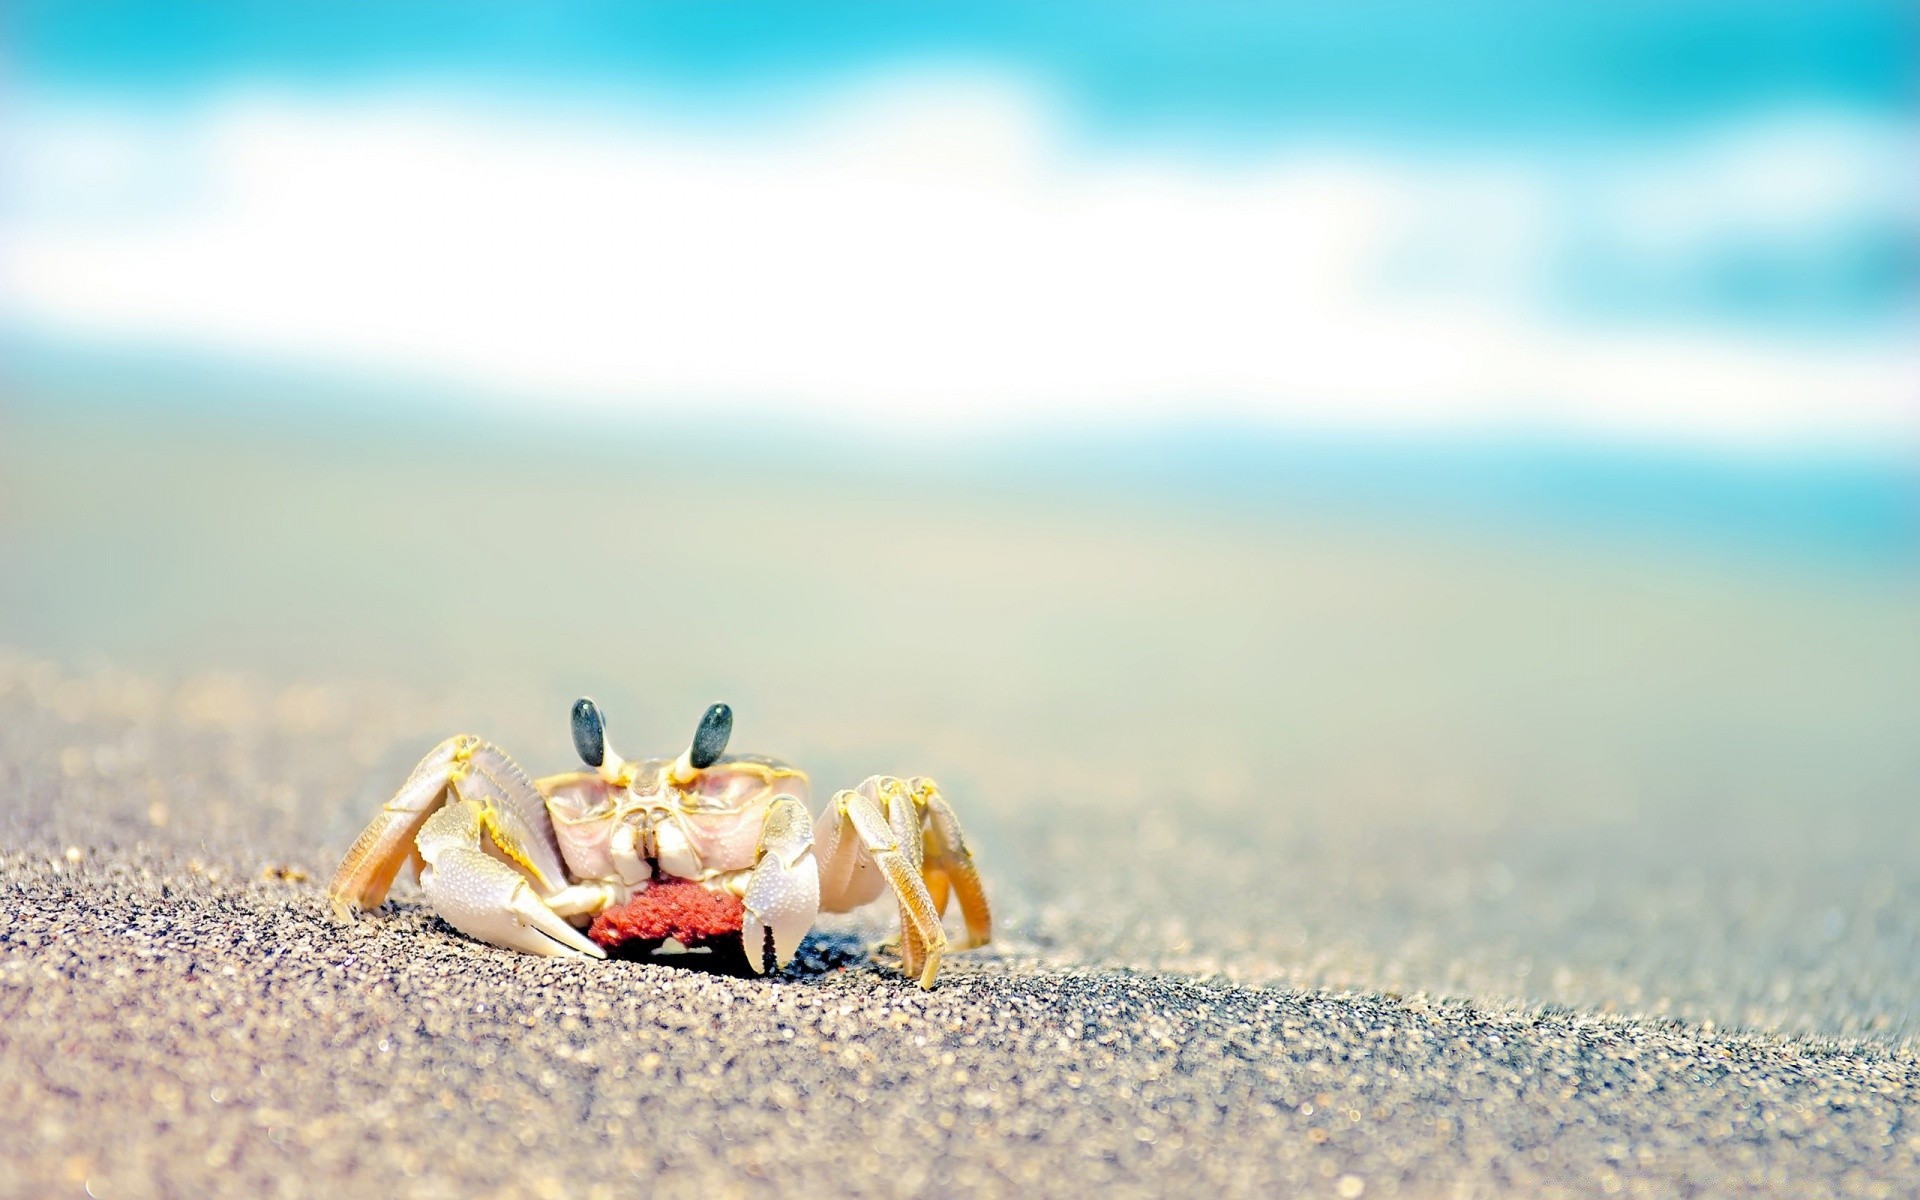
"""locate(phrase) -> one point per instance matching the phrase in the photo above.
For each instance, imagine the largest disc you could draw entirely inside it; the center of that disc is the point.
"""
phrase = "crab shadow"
(820, 954)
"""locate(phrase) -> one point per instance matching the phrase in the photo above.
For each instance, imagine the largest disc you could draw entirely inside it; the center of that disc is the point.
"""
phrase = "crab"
(523, 863)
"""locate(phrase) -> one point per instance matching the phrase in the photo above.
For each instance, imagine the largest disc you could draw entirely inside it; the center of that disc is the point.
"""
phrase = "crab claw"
(484, 898)
(783, 893)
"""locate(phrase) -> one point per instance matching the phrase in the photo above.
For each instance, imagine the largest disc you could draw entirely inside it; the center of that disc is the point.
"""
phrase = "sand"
(180, 1015)
(168, 1035)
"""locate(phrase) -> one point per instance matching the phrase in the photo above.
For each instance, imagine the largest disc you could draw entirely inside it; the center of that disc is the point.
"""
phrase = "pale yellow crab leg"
(949, 866)
(904, 820)
(461, 768)
(386, 844)
(848, 877)
(482, 895)
(515, 812)
(783, 892)
(877, 828)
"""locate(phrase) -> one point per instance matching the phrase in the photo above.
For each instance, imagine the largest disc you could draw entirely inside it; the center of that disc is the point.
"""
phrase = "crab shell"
(706, 827)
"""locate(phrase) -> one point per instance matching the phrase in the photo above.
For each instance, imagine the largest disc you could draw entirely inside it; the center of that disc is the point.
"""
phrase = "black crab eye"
(589, 732)
(710, 739)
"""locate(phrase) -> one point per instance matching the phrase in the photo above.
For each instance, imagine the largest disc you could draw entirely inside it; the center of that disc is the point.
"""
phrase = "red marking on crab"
(670, 908)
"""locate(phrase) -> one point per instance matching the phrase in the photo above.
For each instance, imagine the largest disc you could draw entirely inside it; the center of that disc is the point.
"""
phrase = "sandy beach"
(167, 1035)
(1326, 863)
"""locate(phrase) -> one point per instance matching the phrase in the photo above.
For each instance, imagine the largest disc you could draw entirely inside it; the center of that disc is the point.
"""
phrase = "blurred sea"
(1856, 509)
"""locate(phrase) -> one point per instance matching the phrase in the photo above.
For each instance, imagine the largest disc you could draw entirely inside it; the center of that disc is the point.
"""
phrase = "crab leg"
(949, 867)
(386, 844)
(482, 896)
(462, 768)
(873, 840)
(783, 892)
(903, 820)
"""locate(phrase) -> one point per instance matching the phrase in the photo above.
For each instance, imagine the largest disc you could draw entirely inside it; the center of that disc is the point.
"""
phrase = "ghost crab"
(520, 862)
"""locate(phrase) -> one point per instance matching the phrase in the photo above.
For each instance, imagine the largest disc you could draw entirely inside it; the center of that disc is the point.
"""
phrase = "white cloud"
(926, 254)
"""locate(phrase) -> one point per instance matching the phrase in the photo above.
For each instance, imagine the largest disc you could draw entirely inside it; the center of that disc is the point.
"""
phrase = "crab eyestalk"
(590, 741)
(709, 743)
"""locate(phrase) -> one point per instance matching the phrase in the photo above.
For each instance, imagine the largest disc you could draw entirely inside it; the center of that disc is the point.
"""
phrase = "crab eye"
(589, 732)
(710, 739)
